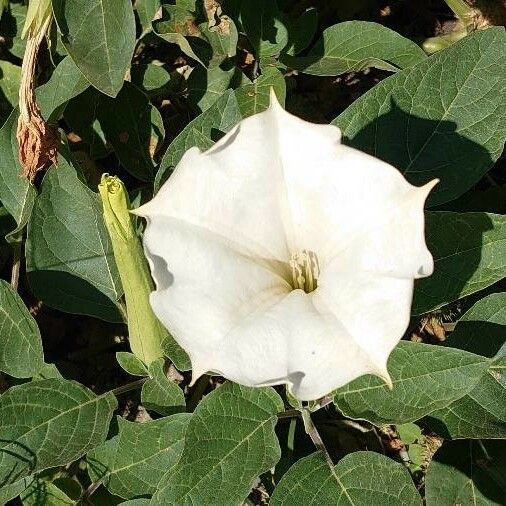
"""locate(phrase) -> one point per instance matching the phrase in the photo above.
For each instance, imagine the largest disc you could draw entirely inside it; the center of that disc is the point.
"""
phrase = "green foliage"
(21, 353)
(67, 241)
(467, 472)
(435, 377)
(161, 394)
(230, 440)
(360, 478)
(49, 423)
(356, 45)
(479, 414)
(16, 193)
(428, 124)
(99, 35)
(133, 462)
(469, 255)
(131, 86)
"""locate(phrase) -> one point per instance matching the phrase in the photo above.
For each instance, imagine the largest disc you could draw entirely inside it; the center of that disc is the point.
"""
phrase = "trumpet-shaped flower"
(281, 256)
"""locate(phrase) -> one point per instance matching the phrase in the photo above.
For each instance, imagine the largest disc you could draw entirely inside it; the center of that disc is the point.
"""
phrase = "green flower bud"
(146, 333)
(38, 16)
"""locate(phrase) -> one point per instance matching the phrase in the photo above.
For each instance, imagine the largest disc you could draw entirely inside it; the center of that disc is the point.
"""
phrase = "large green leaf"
(359, 479)
(21, 353)
(264, 26)
(127, 124)
(467, 472)
(479, 414)
(255, 97)
(356, 45)
(16, 193)
(100, 37)
(201, 132)
(160, 393)
(229, 442)
(69, 257)
(424, 378)
(132, 463)
(49, 423)
(469, 251)
(444, 117)
(66, 83)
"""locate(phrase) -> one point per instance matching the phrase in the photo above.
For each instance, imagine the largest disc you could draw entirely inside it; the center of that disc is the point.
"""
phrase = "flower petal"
(232, 190)
(204, 288)
(336, 193)
(374, 309)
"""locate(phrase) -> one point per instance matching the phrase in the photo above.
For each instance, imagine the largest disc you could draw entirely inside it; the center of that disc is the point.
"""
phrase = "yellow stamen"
(305, 270)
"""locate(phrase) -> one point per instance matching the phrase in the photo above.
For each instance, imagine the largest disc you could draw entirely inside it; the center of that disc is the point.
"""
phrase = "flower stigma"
(305, 270)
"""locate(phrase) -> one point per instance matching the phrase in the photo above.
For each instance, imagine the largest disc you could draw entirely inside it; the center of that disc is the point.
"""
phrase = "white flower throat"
(305, 270)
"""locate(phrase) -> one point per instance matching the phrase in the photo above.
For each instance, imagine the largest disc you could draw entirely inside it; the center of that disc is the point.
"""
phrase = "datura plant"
(253, 252)
(298, 251)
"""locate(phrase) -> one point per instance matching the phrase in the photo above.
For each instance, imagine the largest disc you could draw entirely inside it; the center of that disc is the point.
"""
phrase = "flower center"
(305, 270)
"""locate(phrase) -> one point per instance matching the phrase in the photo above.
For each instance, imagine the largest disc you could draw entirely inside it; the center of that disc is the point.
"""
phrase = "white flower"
(282, 256)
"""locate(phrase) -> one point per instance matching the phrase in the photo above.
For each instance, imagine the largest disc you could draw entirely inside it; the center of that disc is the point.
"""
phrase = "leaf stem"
(134, 385)
(313, 433)
(16, 264)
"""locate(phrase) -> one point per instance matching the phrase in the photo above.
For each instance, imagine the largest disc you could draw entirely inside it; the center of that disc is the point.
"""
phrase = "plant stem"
(461, 9)
(134, 385)
(16, 264)
(313, 433)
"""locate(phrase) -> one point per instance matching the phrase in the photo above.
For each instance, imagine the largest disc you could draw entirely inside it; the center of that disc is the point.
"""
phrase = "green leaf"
(16, 193)
(178, 26)
(424, 378)
(10, 77)
(229, 442)
(359, 479)
(161, 394)
(127, 124)
(408, 432)
(81, 113)
(41, 492)
(136, 502)
(11, 27)
(467, 472)
(21, 353)
(301, 31)
(478, 414)
(9, 492)
(264, 27)
(69, 258)
(223, 38)
(356, 45)
(153, 79)
(133, 462)
(175, 353)
(66, 83)
(131, 364)
(255, 97)
(146, 10)
(205, 86)
(49, 423)
(469, 251)
(443, 117)
(99, 35)
(201, 132)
